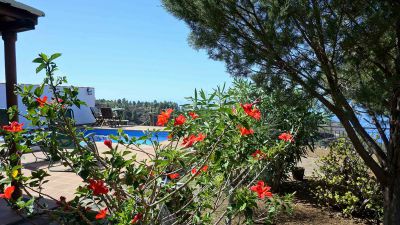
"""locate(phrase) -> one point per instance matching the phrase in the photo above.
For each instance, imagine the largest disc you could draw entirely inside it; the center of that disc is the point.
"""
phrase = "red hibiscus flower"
(256, 114)
(200, 137)
(161, 120)
(192, 139)
(174, 175)
(102, 214)
(13, 127)
(98, 187)
(136, 218)
(247, 107)
(181, 119)
(244, 131)
(193, 115)
(203, 169)
(250, 111)
(42, 101)
(108, 143)
(194, 171)
(164, 116)
(261, 190)
(286, 137)
(189, 141)
(258, 154)
(168, 112)
(8, 192)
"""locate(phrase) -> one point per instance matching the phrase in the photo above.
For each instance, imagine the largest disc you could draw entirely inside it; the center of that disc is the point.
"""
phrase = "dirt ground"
(308, 214)
(306, 210)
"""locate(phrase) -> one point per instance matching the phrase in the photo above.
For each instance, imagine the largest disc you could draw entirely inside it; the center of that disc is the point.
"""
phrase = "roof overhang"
(17, 17)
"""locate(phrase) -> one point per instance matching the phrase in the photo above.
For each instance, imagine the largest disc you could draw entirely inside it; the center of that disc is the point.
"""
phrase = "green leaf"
(40, 67)
(203, 94)
(212, 96)
(44, 57)
(39, 91)
(54, 56)
(5, 181)
(38, 60)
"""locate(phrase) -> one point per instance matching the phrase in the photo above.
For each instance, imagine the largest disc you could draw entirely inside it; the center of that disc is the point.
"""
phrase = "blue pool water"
(102, 134)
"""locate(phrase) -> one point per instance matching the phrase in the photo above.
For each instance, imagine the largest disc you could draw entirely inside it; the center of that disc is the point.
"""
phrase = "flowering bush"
(210, 169)
(283, 116)
(347, 184)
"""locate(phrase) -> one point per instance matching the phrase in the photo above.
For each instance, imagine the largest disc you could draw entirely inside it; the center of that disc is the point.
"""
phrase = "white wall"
(82, 115)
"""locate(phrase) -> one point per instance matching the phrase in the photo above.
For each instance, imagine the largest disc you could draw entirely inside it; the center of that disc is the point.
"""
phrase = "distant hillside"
(137, 112)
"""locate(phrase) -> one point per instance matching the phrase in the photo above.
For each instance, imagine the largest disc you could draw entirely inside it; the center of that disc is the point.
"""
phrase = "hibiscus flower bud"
(108, 143)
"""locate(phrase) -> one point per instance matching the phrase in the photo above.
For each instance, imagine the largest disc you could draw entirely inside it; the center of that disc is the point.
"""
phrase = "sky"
(131, 49)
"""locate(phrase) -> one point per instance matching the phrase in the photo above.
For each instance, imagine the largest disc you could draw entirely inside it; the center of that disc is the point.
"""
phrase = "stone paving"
(60, 183)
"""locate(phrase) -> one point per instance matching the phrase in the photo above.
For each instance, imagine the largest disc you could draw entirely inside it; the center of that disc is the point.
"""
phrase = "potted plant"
(298, 173)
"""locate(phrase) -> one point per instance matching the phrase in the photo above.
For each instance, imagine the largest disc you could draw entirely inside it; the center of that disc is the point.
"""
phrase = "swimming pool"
(103, 134)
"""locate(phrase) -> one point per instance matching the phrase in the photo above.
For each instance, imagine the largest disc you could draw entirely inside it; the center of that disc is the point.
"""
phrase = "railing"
(333, 131)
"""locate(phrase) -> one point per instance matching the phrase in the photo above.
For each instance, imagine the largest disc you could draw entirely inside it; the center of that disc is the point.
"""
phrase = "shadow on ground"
(308, 211)
(9, 216)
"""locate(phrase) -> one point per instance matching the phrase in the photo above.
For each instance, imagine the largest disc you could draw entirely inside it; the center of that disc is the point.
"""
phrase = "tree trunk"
(392, 201)
(277, 178)
(391, 188)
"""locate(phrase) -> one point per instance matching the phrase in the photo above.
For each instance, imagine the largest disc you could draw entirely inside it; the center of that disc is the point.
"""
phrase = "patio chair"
(109, 117)
(97, 115)
(119, 114)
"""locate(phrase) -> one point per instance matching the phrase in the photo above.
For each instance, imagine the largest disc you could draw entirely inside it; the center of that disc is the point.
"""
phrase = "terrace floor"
(60, 183)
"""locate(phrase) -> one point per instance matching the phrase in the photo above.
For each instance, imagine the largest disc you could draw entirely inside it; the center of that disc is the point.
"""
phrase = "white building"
(82, 115)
